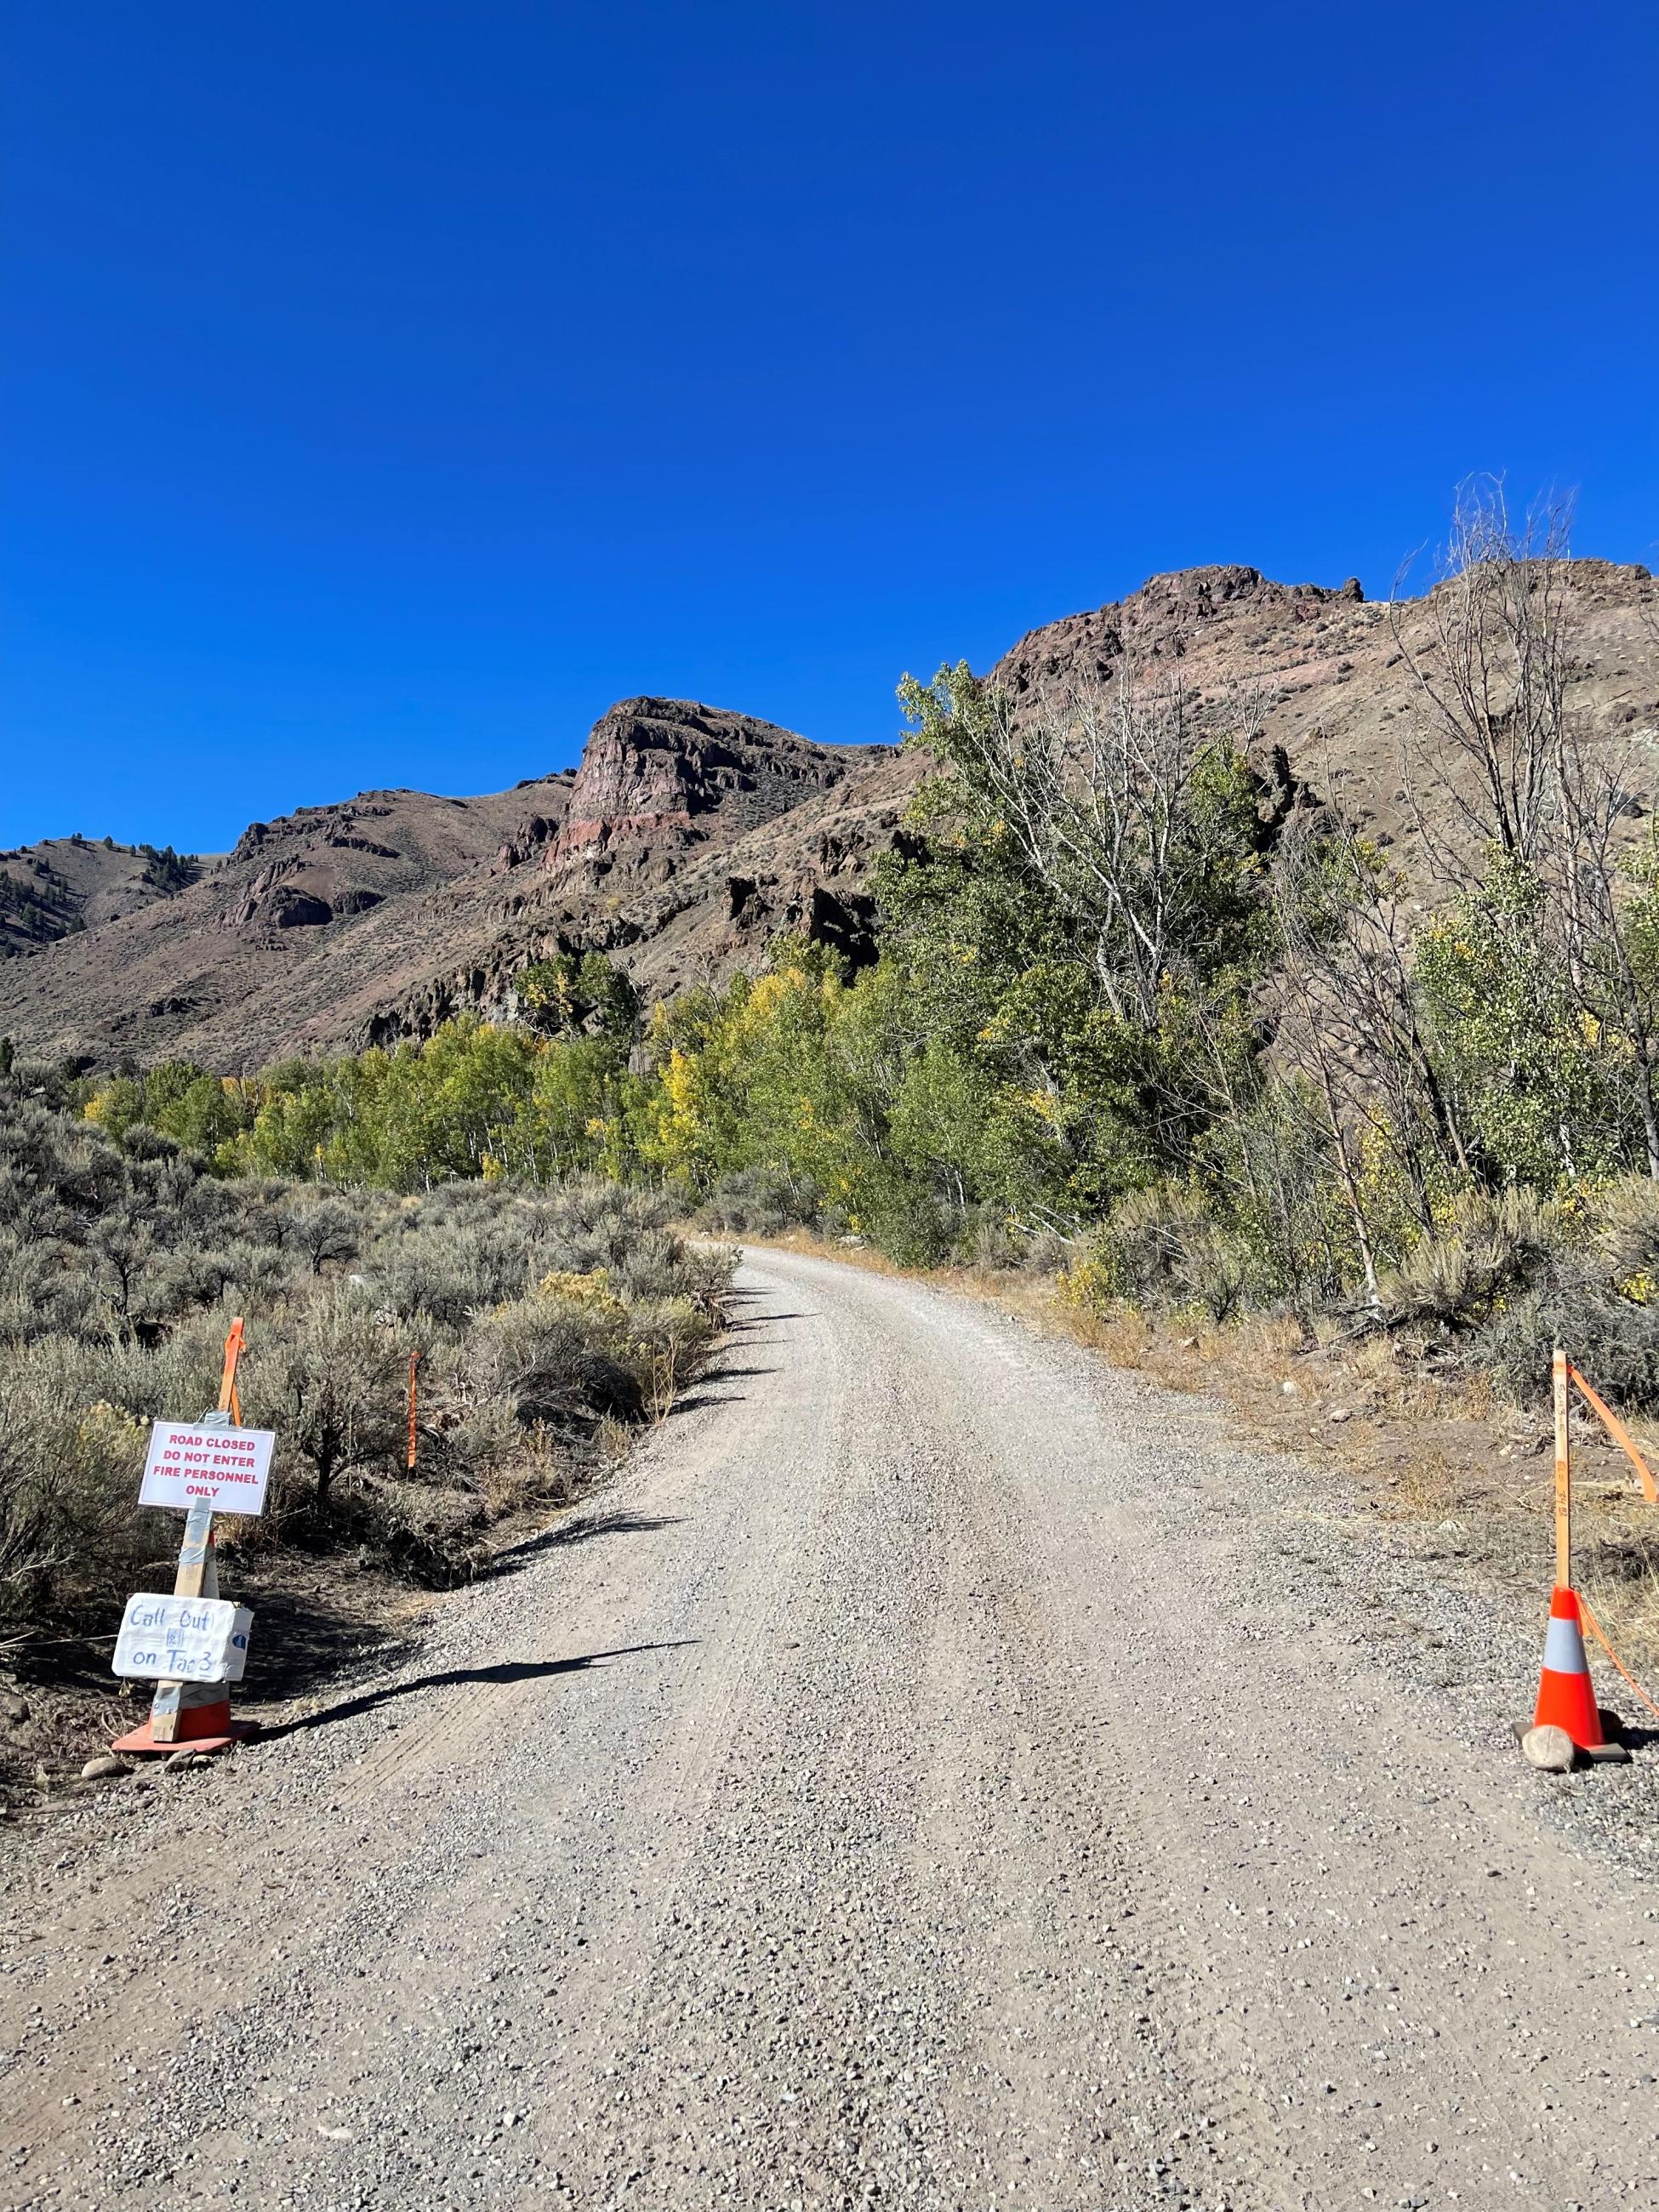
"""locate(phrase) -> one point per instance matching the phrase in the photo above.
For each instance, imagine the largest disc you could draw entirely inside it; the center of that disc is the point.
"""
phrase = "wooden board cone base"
(201, 1727)
(1610, 1753)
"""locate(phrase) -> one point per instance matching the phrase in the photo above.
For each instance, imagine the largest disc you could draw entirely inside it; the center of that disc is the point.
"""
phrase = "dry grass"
(613, 1440)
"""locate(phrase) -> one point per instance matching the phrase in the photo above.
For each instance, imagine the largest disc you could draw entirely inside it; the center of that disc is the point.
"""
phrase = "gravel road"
(941, 1772)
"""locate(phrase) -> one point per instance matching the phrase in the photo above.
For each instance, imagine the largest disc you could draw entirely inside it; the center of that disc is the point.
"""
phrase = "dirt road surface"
(942, 1773)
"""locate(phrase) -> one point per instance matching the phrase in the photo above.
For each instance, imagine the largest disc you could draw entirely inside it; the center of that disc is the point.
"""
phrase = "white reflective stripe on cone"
(1564, 1648)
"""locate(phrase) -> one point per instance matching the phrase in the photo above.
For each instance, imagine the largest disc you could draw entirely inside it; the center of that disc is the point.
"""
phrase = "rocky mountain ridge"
(689, 835)
(686, 839)
(1325, 676)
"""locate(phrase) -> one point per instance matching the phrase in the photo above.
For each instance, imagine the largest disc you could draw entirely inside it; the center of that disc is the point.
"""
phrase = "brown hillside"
(686, 839)
(690, 836)
(63, 884)
(1329, 679)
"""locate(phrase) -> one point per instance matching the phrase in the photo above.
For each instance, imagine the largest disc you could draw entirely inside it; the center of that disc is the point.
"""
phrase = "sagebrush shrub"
(1165, 1247)
(1492, 1247)
(1627, 1237)
(1614, 1340)
(123, 1260)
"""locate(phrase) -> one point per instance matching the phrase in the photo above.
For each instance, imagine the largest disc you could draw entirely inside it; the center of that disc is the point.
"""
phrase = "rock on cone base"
(1566, 1698)
(1552, 1750)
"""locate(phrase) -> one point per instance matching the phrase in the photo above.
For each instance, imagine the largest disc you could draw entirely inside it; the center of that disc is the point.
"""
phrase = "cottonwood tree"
(1613, 948)
(1139, 824)
(1531, 818)
(1085, 918)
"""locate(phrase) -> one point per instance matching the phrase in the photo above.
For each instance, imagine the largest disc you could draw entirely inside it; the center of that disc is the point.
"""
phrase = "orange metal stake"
(228, 1402)
(1559, 1367)
(414, 1362)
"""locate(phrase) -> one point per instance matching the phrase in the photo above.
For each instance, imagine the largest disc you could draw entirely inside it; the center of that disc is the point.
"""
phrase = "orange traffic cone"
(206, 1725)
(1567, 1696)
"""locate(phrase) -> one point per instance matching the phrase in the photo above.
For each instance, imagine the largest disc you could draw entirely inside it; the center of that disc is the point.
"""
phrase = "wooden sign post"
(413, 1364)
(196, 1473)
(197, 1577)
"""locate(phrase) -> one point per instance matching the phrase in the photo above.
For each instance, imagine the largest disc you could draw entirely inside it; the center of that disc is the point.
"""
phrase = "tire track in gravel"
(938, 1788)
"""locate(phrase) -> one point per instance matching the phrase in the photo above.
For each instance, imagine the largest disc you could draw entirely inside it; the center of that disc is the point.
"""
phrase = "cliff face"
(687, 839)
(656, 768)
(693, 836)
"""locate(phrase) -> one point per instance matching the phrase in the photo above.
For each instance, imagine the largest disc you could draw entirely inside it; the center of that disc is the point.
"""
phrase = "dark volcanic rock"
(654, 769)
(297, 910)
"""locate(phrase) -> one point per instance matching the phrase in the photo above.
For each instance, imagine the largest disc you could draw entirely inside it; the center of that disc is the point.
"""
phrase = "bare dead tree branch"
(1492, 675)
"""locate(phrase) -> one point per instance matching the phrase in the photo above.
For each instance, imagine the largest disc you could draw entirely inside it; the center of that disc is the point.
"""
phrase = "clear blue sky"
(390, 385)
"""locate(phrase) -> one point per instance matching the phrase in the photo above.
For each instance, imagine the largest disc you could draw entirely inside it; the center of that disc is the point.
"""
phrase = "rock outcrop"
(376, 920)
(690, 836)
(1321, 679)
(656, 768)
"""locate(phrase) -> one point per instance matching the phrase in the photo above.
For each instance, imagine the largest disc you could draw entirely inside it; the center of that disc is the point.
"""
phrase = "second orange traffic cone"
(1567, 1696)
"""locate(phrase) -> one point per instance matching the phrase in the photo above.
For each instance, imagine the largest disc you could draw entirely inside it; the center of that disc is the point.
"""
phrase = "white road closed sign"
(188, 1464)
(182, 1639)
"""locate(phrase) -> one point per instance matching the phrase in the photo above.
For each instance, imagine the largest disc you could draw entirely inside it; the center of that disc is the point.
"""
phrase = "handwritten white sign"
(188, 1463)
(182, 1639)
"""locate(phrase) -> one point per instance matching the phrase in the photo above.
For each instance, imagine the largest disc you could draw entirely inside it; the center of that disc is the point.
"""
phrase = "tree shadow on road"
(757, 1319)
(505, 1670)
(702, 1394)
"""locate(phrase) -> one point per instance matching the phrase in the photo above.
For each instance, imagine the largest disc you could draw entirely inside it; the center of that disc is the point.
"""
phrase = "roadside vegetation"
(549, 1323)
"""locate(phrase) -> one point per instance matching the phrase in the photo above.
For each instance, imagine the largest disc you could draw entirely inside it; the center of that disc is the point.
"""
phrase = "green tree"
(1525, 1072)
(580, 995)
